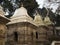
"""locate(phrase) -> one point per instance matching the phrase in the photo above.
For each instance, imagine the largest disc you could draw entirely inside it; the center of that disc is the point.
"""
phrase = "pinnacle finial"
(36, 11)
(21, 4)
(47, 11)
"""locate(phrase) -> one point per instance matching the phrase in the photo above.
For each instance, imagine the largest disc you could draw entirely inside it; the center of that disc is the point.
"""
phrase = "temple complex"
(21, 29)
(24, 30)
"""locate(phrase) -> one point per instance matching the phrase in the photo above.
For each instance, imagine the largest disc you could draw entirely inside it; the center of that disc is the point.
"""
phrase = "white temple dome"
(21, 15)
(20, 12)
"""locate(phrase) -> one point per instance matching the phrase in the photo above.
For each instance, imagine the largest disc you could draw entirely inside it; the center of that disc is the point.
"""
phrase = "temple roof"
(47, 21)
(20, 12)
(38, 19)
(2, 17)
(1, 11)
(21, 15)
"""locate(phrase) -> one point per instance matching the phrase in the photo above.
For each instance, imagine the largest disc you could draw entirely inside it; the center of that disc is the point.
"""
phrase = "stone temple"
(21, 29)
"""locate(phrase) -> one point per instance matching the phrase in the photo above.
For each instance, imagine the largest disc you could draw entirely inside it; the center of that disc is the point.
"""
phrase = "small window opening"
(32, 35)
(15, 36)
(58, 32)
(36, 35)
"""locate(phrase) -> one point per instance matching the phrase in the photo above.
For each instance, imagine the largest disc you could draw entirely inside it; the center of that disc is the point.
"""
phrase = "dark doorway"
(36, 35)
(15, 36)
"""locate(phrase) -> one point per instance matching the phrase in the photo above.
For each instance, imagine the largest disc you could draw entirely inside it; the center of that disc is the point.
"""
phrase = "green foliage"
(7, 4)
(30, 5)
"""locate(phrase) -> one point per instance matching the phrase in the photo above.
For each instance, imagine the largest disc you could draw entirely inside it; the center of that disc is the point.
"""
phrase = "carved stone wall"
(25, 34)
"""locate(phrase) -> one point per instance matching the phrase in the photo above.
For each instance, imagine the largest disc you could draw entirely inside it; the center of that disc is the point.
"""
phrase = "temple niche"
(3, 28)
(24, 30)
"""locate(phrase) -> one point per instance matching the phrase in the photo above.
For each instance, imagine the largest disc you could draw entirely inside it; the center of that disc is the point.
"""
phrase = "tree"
(30, 5)
(7, 5)
(1, 1)
(57, 20)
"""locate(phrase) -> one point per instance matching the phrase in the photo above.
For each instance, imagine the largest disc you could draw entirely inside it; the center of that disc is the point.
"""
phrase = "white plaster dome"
(20, 12)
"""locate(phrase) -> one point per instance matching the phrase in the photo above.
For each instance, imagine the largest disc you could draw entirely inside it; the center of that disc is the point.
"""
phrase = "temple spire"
(22, 4)
(47, 20)
(38, 19)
